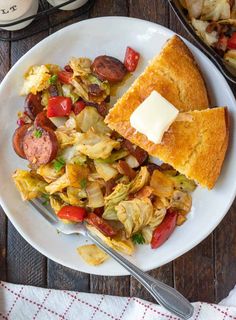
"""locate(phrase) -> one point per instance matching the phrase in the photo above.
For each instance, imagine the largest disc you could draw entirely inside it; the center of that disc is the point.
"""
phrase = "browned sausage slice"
(140, 154)
(109, 68)
(40, 145)
(17, 140)
(42, 120)
(33, 105)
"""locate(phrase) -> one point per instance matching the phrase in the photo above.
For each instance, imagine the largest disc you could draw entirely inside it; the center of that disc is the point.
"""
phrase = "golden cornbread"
(174, 74)
(195, 143)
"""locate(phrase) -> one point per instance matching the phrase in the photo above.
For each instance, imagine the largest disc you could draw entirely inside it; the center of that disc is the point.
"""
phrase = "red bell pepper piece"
(100, 224)
(59, 106)
(65, 76)
(72, 213)
(99, 211)
(164, 230)
(131, 59)
(21, 122)
(78, 107)
(232, 41)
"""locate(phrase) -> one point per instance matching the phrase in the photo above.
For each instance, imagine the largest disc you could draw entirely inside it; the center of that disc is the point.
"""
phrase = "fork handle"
(165, 295)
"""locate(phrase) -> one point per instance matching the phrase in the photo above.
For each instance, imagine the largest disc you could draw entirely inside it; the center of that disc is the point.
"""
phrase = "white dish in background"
(90, 38)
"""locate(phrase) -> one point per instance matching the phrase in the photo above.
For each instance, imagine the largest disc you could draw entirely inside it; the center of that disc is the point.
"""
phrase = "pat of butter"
(153, 117)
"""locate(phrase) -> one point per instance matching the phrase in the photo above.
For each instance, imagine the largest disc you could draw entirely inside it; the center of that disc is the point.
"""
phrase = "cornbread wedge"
(195, 143)
(174, 74)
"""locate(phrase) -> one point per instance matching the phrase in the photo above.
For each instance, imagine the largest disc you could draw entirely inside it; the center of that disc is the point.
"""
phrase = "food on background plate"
(215, 23)
(196, 142)
(89, 173)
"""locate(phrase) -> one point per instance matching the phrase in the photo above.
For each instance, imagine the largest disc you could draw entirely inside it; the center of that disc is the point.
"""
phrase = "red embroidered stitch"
(68, 308)
(14, 302)
(125, 308)
(41, 305)
(30, 301)
(100, 302)
(91, 306)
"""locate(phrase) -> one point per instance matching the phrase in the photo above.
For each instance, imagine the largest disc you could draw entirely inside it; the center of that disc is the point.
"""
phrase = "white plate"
(90, 38)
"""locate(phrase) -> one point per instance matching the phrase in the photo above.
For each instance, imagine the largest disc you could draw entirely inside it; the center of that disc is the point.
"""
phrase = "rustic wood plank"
(60, 277)
(225, 254)
(164, 274)
(176, 26)
(3, 244)
(25, 265)
(156, 11)
(117, 286)
(109, 8)
(98, 284)
(4, 67)
(194, 272)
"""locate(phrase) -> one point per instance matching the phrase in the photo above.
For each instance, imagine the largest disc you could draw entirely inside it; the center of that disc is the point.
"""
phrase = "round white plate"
(90, 38)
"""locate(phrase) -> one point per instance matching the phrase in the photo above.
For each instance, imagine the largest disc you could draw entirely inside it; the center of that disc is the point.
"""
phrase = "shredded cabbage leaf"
(49, 173)
(96, 145)
(215, 10)
(36, 80)
(68, 91)
(162, 184)
(134, 214)
(140, 180)
(73, 196)
(58, 185)
(71, 154)
(66, 136)
(95, 196)
(118, 243)
(182, 201)
(29, 184)
(209, 37)
(90, 118)
(56, 203)
(105, 170)
(76, 173)
(80, 66)
(92, 255)
(119, 193)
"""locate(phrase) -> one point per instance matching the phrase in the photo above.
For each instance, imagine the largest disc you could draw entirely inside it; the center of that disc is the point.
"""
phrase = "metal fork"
(166, 296)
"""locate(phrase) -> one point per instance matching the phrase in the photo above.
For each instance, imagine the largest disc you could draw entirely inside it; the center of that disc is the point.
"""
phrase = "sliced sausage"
(102, 109)
(53, 91)
(17, 140)
(125, 169)
(40, 145)
(140, 154)
(33, 105)
(109, 68)
(42, 120)
(95, 90)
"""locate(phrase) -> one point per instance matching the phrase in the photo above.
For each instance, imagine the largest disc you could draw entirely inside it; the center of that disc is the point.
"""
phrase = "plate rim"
(21, 230)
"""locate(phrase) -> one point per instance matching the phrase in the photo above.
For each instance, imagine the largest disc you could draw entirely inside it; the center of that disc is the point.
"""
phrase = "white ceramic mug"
(75, 5)
(13, 10)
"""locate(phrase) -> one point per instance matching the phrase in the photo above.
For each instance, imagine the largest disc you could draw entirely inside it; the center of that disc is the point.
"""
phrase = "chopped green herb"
(45, 196)
(83, 183)
(53, 79)
(138, 238)
(58, 164)
(38, 133)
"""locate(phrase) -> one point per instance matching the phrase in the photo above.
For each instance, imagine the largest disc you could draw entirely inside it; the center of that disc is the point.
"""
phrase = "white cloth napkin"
(19, 302)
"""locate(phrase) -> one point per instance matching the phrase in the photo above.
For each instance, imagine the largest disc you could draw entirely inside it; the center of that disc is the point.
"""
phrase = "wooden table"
(205, 273)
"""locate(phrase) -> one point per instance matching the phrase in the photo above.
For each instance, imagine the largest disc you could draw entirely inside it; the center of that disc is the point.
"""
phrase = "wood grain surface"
(205, 273)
